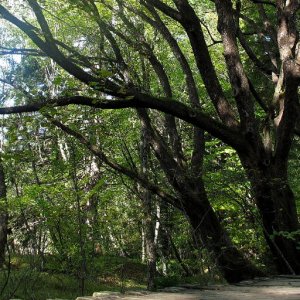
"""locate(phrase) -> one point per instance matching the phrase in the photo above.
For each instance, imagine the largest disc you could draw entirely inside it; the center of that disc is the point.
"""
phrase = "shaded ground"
(281, 287)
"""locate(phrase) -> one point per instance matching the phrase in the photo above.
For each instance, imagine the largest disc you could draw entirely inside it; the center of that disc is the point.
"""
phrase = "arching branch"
(139, 100)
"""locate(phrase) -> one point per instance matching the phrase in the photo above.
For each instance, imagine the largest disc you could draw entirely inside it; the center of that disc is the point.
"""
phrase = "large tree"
(258, 123)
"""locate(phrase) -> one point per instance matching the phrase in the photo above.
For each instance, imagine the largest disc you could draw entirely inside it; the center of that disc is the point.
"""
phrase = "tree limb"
(139, 100)
(115, 166)
(264, 2)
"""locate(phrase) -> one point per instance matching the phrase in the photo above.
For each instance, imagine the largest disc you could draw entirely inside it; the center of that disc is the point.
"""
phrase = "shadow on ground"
(281, 287)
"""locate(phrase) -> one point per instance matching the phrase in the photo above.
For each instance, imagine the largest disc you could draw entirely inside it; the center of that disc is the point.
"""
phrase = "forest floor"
(116, 275)
(281, 287)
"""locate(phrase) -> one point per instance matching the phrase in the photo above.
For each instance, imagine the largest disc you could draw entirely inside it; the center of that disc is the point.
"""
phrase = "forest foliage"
(150, 133)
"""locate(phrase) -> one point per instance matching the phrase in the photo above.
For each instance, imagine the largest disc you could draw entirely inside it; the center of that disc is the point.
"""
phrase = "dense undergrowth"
(30, 279)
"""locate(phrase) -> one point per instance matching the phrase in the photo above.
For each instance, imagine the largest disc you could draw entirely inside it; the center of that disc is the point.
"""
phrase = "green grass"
(106, 273)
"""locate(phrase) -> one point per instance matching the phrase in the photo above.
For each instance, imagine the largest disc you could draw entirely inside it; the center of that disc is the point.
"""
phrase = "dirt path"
(281, 288)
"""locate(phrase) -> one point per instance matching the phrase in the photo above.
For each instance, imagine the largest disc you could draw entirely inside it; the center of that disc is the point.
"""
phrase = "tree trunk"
(184, 267)
(3, 216)
(209, 232)
(276, 203)
(149, 241)
(193, 201)
(148, 221)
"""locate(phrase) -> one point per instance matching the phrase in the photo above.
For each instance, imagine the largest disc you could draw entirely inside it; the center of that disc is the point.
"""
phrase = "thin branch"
(259, 64)
(115, 166)
(214, 41)
(257, 97)
(264, 2)
(17, 87)
(21, 51)
(167, 10)
(49, 47)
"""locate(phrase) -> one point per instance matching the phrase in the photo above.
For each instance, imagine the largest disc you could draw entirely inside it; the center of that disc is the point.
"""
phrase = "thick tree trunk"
(193, 201)
(209, 232)
(3, 216)
(276, 204)
(277, 207)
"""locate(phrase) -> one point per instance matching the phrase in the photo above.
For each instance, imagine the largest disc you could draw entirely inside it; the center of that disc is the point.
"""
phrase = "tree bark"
(148, 222)
(149, 240)
(192, 199)
(211, 234)
(276, 203)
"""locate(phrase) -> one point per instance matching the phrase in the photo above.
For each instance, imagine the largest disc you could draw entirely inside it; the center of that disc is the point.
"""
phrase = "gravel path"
(281, 288)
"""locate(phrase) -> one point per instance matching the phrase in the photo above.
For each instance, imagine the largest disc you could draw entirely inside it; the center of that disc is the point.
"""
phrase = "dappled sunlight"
(149, 144)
